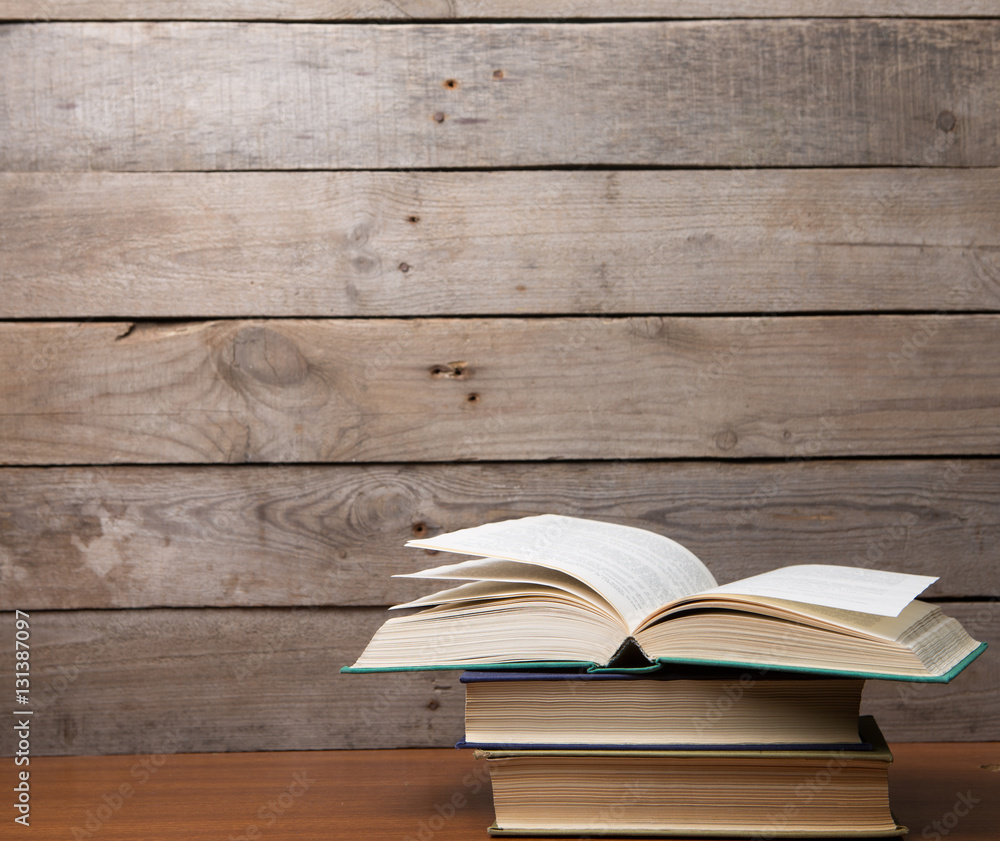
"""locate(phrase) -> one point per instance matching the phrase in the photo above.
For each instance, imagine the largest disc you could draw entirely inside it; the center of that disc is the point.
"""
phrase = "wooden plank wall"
(287, 283)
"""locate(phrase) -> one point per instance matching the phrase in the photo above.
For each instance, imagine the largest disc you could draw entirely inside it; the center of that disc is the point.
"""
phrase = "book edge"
(947, 677)
(595, 668)
(495, 830)
(868, 730)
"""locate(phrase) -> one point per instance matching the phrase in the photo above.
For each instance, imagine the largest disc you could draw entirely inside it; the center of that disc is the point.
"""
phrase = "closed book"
(714, 793)
(696, 707)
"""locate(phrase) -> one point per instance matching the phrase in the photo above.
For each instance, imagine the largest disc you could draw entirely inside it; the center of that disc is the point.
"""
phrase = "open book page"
(478, 590)
(847, 588)
(636, 570)
(850, 622)
(875, 625)
(503, 574)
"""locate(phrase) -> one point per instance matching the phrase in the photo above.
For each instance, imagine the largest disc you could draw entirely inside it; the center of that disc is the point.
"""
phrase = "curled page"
(848, 588)
(636, 570)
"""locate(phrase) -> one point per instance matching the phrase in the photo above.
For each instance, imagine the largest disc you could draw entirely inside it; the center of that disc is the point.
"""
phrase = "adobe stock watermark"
(444, 811)
(274, 645)
(986, 275)
(805, 792)
(112, 802)
(898, 531)
(809, 448)
(269, 813)
(985, 617)
(730, 693)
(22, 718)
(725, 359)
(941, 827)
(608, 820)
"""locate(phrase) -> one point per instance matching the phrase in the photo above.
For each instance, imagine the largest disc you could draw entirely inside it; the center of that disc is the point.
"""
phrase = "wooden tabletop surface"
(940, 791)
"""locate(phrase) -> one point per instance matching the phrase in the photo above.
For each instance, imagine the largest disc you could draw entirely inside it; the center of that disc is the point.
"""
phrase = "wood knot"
(426, 9)
(726, 439)
(359, 234)
(946, 121)
(364, 264)
(268, 356)
(451, 371)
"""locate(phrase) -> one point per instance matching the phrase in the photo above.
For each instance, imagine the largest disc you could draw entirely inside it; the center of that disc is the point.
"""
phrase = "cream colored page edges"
(636, 570)
(491, 569)
(853, 623)
(497, 579)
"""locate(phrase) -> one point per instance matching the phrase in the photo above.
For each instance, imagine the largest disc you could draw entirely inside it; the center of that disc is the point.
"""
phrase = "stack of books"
(614, 688)
(760, 755)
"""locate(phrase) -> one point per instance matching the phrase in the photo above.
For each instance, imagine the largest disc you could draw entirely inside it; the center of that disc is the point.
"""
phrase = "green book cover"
(664, 662)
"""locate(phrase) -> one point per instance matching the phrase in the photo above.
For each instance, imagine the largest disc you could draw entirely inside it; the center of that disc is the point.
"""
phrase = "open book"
(552, 591)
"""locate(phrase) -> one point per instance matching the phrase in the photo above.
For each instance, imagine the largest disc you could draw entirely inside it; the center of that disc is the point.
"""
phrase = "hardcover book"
(553, 591)
(696, 708)
(731, 794)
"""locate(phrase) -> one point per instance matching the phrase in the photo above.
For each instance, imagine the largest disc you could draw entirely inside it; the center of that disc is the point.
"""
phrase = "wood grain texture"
(280, 796)
(311, 10)
(141, 245)
(333, 535)
(217, 96)
(498, 389)
(220, 680)
(319, 796)
(918, 712)
(267, 679)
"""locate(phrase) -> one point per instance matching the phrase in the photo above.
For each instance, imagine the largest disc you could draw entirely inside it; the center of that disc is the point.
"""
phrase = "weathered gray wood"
(165, 681)
(206, 680)
(307, 10)
(498, 389)
(333, 535)
(475, 243)
(923, 712)
(210, 96)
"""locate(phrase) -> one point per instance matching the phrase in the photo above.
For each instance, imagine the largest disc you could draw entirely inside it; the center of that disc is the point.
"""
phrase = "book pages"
(636, 570)
(499, 579)
(847, 588)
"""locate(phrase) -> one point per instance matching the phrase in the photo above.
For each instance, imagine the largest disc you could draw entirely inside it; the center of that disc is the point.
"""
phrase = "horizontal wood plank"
(333, 535)
(141, 245)
(923, 712)
(267, 679)
(498, 389)
(310, 10)
(217, 96)
(219, 680)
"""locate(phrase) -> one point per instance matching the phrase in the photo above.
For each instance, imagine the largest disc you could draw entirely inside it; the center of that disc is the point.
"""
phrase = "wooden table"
(941, 791)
